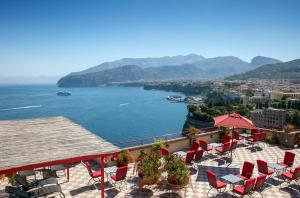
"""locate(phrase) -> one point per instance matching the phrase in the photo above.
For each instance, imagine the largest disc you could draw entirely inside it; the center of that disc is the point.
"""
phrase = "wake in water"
(25, 107)
(124, 104)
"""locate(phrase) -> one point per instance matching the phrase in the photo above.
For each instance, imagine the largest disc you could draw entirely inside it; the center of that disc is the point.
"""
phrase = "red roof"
(233, 120)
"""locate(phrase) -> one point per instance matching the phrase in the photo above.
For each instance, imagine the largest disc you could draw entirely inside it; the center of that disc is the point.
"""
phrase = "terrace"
(76, 185)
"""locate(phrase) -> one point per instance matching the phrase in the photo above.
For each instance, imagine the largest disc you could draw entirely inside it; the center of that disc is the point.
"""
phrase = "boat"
(63, 93)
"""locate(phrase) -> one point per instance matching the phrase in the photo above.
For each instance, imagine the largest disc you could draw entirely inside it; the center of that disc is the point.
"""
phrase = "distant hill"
(191, 66)
(144, 62)
(286, 70)
(262, 60)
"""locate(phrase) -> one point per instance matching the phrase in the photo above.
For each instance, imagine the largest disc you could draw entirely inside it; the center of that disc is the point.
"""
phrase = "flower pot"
(176, 186)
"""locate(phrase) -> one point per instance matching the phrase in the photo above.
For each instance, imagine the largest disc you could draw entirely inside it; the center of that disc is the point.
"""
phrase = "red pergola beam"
(64, 161)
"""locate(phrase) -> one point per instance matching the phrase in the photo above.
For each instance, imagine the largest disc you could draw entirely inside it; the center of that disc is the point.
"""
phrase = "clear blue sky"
(56, 37)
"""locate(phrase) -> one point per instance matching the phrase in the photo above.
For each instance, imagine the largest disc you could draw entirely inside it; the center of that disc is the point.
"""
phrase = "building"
(269, 117)
(278, 95)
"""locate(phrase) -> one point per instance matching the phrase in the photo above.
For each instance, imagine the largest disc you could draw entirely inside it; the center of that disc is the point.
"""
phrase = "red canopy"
(233, 120)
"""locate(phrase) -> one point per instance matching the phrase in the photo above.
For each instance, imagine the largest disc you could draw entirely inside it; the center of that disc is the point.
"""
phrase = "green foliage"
(124, 158)
(148, 166)
(273, 138)
(158, 145)
(178, 173)
(10, 178)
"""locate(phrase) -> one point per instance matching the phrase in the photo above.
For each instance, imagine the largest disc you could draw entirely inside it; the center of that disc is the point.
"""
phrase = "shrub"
(148, 166)
(124, 158)
(178, 173)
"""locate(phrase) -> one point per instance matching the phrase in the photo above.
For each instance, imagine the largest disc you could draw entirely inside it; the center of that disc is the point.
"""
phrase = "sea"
(117, 114)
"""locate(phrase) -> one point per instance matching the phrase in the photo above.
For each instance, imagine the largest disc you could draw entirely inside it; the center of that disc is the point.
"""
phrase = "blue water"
(114, 113)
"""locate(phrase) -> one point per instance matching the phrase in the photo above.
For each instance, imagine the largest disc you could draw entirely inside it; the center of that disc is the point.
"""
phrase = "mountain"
(286, 70)
(262, 60)
(188, 67)
(144, 62)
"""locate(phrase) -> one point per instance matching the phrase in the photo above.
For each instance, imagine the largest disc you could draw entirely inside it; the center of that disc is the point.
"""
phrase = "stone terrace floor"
(77, 186)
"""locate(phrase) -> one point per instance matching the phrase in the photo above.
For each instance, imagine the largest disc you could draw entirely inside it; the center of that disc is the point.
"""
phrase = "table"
(180, 153)
(109, 170)
(277, 168)
(232, 180)
(214, 146)
(245, 136)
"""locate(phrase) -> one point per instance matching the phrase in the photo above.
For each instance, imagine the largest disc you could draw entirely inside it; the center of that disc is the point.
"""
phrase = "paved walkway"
(77, 186)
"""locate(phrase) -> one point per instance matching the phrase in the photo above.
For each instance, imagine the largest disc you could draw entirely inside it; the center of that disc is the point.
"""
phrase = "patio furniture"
(254, 131)
(291, 176)
(189, 157)
(259, 183)
(28, 173)
(288, 160)
(254, 139)
(245, 136)
(59, 168)
(109, 170)
(262, 167)
(276, 167)
(213, 147)
(37, 183)
(232, 180)
(195, 146)
(214, 183)
(39, 192)
(224, 149)
(245, 189)
(165, 152)
(180, 153)
(204, 146)
(226, 138)
(197, 157)
(247, 170)
(95, 175)
(233, 146)
(236, 136)
(119, 177)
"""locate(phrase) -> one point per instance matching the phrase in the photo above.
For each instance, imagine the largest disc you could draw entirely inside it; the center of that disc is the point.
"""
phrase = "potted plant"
(124, 158)
(192, 131)
(273, 138)
(288, 128)
(148, 168)
(222, 132)
(178, 173)
(157, 146)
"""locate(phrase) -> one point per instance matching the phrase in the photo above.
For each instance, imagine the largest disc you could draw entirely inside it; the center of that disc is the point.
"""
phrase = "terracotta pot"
(176, 186)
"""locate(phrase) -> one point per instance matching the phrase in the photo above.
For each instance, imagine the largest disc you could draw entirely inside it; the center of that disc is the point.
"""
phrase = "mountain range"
(191, 66)
(286, 70)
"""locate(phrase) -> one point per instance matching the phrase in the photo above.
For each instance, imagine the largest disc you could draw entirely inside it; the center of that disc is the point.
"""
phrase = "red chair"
(226, 138)
(189, 157)
(195, 146)
(165, 152)
(293, 175)
(260, 181)
(247, 170)
(204, 146)
(119, 176)
(288, 160)
(224, 149)
(236, 136)
(95, 175)
(197, 157)
(245, 189)
(254, 131)
(262, 167)
(214, 183)
(263, 136)
(233, 146)
(254, 139)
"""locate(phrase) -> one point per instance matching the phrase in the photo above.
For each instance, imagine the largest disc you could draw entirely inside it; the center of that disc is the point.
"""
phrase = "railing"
(142, 141)
(165, 137)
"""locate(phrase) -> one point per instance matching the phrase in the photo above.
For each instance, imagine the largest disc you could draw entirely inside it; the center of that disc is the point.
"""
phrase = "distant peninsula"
(188, 67)
(286, 70)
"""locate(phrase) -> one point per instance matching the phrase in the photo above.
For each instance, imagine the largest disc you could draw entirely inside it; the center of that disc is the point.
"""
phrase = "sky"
(56, 37)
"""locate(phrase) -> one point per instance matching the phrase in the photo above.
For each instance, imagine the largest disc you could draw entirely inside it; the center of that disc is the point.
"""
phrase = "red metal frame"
(65, 161)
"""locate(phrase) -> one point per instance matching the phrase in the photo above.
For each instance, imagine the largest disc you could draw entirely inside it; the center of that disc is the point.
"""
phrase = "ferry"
(63, 93)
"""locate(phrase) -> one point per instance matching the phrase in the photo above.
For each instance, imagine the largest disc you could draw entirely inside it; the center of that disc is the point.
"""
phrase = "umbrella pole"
(231, 147)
